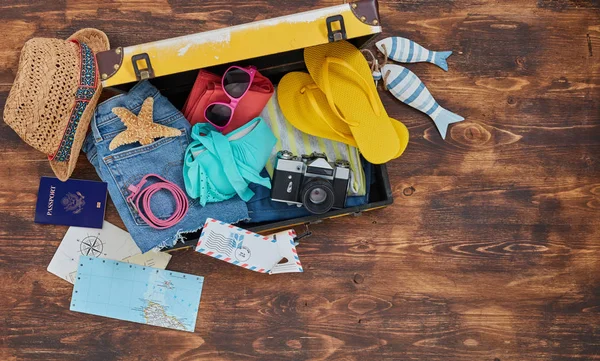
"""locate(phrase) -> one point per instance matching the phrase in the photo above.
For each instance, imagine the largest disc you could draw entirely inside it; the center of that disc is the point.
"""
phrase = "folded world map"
(136, 293)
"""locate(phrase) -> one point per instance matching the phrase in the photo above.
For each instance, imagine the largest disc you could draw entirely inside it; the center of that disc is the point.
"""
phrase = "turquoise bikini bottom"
(217, 167)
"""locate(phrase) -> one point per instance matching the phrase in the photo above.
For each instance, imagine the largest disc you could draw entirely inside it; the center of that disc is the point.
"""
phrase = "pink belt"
(140, 199)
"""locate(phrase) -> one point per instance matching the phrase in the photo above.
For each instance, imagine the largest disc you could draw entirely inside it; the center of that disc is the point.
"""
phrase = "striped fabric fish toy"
(410, 90)
(403, 50)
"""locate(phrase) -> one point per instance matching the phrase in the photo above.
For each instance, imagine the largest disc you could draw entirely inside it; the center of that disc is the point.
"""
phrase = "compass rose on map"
(91, 246)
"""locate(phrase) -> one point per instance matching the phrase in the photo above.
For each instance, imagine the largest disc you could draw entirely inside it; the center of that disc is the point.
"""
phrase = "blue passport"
(75, 202)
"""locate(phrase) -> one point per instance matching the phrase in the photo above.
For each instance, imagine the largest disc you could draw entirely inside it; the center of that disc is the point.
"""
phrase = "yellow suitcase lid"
(246, 41)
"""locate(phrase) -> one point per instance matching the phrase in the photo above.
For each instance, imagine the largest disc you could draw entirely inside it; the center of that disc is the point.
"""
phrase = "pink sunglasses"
(236, 83)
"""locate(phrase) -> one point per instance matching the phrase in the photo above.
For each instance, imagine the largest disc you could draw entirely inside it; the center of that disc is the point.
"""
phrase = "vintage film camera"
(310, 181)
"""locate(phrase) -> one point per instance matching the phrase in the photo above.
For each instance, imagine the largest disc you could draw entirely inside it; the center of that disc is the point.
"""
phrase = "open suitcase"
(274, 46)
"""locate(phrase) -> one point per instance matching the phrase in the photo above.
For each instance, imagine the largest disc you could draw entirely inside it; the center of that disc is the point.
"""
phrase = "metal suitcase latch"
(144, 73)
(307, 233)
(336, 35)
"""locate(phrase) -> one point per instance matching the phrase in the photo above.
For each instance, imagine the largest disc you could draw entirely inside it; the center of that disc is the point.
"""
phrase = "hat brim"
(94, 38)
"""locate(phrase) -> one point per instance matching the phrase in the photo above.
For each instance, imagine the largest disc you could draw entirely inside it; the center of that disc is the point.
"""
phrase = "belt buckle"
(130, 201)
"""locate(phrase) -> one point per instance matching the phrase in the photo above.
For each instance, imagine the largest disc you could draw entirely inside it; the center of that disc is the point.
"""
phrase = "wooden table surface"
(490, 251)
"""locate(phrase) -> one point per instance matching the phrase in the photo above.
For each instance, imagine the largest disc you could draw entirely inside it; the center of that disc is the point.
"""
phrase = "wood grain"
(491, 250)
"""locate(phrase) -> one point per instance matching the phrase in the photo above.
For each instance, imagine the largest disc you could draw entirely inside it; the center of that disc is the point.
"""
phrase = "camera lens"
(317, 196)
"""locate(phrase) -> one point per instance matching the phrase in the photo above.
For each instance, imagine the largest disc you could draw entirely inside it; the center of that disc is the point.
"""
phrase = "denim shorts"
(128, 164)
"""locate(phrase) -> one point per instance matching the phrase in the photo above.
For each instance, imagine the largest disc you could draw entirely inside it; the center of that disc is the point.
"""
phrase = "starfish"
(140, 128)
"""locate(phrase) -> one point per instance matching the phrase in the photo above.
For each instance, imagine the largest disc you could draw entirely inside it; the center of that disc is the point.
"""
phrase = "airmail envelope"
(244, 248)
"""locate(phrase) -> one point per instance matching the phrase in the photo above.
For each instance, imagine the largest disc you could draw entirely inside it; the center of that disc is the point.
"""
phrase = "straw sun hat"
(54, 95)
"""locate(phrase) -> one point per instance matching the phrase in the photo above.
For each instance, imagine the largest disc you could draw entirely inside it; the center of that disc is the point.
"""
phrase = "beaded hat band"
(85, 92)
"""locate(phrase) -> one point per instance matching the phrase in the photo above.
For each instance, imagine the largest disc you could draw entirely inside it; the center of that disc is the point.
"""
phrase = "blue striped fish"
(410, 90)
(407, 51)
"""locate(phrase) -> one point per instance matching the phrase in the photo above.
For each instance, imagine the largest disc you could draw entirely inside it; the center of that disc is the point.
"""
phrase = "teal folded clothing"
(217, 167)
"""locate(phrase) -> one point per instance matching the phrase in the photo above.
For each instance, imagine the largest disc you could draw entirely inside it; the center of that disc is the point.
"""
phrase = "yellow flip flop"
(305, 106)
(342, 73)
